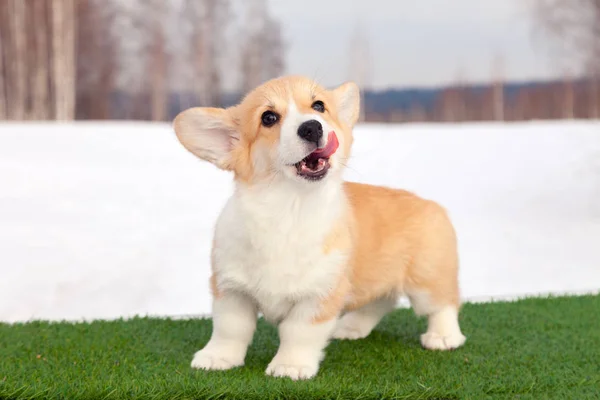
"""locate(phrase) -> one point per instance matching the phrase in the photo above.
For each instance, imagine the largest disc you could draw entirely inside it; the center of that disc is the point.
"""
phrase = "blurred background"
(489, 107)
(435, 60)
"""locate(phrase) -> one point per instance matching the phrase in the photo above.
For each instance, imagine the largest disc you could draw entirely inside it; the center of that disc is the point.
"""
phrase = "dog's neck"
(297, 198)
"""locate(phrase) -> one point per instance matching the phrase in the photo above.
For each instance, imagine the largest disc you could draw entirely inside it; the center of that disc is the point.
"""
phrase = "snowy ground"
(114, 219)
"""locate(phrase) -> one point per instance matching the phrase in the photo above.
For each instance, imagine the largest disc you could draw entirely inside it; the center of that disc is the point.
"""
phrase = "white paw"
(352, 327)
(295, 372)
(293, 367)
(209, 361)
(349, 332)
(434, 341)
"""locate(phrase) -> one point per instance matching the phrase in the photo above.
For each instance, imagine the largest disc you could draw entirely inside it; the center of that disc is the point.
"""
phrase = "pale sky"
(413, 42)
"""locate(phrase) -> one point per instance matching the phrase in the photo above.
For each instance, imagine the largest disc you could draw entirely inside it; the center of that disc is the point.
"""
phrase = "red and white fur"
(321, 258)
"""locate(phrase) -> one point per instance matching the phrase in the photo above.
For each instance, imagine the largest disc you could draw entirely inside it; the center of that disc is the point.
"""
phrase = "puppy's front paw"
(434, 341)
(295, 372)
(294, 369)
(213, 361)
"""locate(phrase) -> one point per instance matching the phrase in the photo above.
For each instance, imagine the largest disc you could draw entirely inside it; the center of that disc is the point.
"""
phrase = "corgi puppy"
(319, 257)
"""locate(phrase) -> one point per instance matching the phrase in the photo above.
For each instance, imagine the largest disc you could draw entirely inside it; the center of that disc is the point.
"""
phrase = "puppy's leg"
(302, 341)
(443, 330)
(234, 323)
(359, 323)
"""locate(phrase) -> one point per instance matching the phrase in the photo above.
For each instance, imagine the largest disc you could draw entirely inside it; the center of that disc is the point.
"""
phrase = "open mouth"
(314, 166)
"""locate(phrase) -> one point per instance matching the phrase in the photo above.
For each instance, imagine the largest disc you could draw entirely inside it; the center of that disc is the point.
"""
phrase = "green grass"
(534, 349)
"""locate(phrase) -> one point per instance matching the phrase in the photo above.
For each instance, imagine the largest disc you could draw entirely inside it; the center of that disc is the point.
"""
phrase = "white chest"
(270, 246)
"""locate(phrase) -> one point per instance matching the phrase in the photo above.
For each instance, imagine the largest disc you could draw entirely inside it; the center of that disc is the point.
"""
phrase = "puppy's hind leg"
(359, 323)
(443, 330)
(432, 284)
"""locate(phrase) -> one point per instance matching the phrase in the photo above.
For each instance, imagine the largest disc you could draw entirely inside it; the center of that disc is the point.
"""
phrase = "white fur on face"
(291, 147)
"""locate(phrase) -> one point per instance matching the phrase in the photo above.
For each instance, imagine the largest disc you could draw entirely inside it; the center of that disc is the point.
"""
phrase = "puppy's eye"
(318, 106)
(269, 118)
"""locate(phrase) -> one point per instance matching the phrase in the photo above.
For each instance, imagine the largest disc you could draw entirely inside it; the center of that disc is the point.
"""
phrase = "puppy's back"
(403, 243)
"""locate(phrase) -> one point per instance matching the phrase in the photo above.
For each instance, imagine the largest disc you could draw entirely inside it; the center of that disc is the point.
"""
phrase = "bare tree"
(575, 27)
(96, 58)
(208, 21)
(453, 100)
(157, 61)
(251, 63)
(568, 97)
(274, 62)
(212, 36)
(141, 65)
(263, 49)
(193, 15)
(3, 73)
(58, 55)
(147, 27)
(37, 71)
(594, 104)
(69, 59)
(40, 71)
(63, 58)
(359, 64)
(16, 59)
(498, 90)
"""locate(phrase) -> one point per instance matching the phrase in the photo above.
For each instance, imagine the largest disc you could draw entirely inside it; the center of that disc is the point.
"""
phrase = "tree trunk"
(57, 59)
(158, 71)
(16, 86)
(70, 68)
(498, 99)
(594, 98)
(40, 101)
(569, 102)
(63, 59)
(3, 72)
(212, 76)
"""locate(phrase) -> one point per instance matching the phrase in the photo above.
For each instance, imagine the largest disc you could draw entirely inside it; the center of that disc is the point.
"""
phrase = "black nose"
(311, 131)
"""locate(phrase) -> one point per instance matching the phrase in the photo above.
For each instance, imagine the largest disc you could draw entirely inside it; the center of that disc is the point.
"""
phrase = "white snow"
(106, 220)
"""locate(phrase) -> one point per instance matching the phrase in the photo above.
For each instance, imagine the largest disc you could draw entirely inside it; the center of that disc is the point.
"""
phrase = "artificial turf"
(533, 348)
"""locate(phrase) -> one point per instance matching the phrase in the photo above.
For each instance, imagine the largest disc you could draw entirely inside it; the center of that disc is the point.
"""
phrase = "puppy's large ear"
(209, 133)
(347, 97)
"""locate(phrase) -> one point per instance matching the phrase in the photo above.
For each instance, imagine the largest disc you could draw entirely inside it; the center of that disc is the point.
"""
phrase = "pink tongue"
(329, 149)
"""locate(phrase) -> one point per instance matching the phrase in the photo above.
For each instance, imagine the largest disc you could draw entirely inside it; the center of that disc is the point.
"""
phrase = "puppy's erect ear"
(209, 133)
(347, 96)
